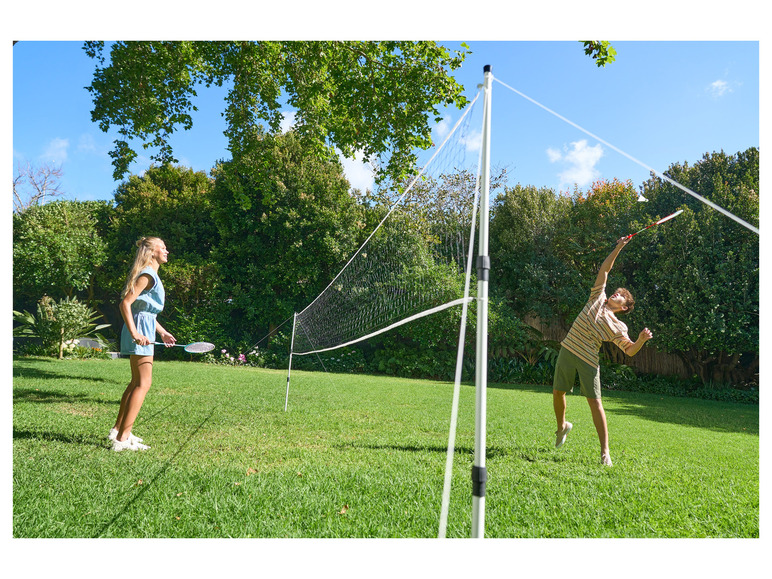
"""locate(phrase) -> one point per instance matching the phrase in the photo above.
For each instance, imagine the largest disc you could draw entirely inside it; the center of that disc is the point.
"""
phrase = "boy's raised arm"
(608, 263)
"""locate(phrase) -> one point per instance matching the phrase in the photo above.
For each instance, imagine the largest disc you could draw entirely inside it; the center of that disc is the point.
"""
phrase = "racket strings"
(199, 347)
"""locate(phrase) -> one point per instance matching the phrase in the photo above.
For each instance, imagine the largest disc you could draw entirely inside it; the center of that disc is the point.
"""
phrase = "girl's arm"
(167, 338)
(125, 308)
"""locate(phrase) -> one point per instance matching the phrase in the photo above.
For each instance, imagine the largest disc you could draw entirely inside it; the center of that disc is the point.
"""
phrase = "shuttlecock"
(641, 197)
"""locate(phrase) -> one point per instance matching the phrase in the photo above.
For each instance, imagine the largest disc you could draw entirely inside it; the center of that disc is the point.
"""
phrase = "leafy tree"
(600, 51)
(299, 226)
(700, 274)
(598, 218)
(56, 250)
(175, 204)
(547, 248)
(373, 97)
(170, 201)
(527, 267)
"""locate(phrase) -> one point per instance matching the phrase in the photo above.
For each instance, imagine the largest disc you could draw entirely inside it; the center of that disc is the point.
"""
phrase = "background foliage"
(373, 97)
(254, 242)
(56, 249)
(695, 280)
(287, 224)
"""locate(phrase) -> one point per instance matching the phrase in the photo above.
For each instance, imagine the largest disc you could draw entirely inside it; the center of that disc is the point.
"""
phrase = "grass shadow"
(682, 410)
(538, 388)
(20, 371)
(532, 454)
(150, 415)
(53, 396)
(398, 447)
(154, 479)
(529, 455)
(85, 439)
(707, 414)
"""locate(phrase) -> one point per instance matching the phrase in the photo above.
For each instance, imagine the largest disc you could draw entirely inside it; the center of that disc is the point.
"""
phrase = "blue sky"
(661, 102)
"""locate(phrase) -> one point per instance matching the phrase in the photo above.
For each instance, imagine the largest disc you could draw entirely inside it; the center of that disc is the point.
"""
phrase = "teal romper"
(148, 304)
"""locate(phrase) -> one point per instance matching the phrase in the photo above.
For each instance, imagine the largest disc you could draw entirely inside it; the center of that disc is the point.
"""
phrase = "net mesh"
(413, 262)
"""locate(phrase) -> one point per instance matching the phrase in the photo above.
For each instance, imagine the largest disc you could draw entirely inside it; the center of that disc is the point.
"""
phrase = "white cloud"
(580, 160)
(719, 88)
(443, 128)
(359, 172)
(554, 155)
(287, 121)
(473, 141)
(87, 144)
(184, 162)
(56, 151)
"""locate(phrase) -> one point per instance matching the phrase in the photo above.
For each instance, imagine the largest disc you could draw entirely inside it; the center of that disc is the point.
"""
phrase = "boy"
(596, 323)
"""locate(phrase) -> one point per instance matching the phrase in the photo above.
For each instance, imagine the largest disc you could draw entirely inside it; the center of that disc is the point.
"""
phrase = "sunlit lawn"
(364, 456)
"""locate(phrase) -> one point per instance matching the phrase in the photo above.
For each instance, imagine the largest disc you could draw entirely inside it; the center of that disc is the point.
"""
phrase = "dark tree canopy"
(375, 97)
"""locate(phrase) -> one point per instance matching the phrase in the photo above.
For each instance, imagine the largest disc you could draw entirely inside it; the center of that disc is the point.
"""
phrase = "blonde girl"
(142, 300)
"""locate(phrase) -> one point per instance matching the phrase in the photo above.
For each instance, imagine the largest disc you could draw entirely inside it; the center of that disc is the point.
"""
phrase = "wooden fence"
(648, 360)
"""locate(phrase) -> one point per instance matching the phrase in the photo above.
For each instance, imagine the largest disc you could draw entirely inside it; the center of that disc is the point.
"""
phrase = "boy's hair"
(629, 300)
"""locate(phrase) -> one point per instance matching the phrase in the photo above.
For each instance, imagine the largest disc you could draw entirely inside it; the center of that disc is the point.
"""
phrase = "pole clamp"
(483, 267)
(479, 478)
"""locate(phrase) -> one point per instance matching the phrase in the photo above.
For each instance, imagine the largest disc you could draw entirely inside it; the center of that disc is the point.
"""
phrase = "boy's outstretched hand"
(643, 337)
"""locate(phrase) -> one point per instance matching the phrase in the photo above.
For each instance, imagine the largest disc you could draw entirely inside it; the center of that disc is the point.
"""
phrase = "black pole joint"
(479, 478)
(483, 267)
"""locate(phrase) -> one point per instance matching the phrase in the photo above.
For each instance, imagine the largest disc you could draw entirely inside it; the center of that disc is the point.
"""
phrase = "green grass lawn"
(364, 456)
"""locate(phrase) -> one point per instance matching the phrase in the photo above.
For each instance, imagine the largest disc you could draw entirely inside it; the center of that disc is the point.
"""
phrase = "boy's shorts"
(566, 368)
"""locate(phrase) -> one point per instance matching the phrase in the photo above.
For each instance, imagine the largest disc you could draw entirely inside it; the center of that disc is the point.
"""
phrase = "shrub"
(58, 324)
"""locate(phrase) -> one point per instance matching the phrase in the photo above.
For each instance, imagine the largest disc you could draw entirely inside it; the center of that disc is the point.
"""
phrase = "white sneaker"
(114, 434)
(560, 436)
(605, 459)
(128, 444)
(118, 445)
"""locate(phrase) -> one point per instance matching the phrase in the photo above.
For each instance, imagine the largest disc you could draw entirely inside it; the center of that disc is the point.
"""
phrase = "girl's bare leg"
(141, 378)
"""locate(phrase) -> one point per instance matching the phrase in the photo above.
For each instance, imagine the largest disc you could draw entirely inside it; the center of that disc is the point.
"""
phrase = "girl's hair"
(144, 256)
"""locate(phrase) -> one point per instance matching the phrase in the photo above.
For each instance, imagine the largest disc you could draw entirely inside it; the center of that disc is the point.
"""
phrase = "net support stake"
(481, 363)
(289, 366)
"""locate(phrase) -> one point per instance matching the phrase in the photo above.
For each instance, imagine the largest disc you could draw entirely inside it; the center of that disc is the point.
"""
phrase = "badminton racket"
(668, 218)
(193, 347)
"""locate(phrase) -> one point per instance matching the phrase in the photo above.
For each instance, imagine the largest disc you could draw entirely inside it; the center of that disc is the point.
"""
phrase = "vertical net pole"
(289, 366)
(479, 474)
(459, 368)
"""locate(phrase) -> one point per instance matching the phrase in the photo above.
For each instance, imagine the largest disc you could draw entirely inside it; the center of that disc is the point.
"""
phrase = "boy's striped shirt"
(594, 325)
